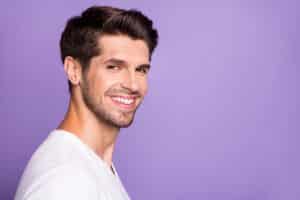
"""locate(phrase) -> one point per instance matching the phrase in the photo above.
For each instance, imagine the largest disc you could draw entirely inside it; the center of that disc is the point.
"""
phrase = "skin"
(95, 114)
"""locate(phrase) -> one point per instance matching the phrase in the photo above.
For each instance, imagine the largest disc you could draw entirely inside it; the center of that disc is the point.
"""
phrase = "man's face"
(116, 82)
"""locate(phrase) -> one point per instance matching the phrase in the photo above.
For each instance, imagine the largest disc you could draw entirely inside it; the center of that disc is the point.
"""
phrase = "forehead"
(124, 48)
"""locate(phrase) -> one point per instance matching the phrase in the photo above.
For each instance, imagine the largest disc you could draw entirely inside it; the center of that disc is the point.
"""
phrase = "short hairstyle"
(80, 36)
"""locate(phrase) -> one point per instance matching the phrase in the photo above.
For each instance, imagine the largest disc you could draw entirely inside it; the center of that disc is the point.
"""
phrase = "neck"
(98, 135)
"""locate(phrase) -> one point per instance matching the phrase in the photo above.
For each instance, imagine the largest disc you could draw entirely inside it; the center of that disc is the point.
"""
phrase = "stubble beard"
(102, 114)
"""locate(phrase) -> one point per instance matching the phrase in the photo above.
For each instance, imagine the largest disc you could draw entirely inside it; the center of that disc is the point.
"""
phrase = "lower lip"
(124, 106)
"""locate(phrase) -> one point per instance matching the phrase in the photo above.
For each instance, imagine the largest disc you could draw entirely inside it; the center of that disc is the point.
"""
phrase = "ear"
(73, 70)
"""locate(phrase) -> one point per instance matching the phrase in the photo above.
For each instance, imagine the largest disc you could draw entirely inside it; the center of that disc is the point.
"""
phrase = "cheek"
(144, 86)
(98, 87)
(104, 81)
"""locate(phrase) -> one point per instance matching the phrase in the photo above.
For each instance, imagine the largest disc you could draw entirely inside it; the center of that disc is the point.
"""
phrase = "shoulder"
(59, 169)
(56, 152)
(63, 182)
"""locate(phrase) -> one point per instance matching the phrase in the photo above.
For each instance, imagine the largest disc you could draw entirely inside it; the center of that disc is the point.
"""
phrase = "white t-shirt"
(64, 168)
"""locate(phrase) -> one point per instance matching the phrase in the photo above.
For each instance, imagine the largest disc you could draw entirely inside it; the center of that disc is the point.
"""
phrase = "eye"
(142, 69)
(113, 67)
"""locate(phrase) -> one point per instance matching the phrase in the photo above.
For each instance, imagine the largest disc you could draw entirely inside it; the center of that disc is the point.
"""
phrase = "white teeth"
(123, 100)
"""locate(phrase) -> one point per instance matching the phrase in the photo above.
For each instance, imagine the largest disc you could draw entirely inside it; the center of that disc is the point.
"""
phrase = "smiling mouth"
(127, 103)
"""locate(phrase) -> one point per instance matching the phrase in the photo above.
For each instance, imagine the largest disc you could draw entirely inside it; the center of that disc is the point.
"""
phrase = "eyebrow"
(145, 66)
(115, 61)
(123, 62)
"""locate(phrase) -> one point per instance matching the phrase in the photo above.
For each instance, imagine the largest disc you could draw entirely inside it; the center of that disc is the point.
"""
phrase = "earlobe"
(72, 70)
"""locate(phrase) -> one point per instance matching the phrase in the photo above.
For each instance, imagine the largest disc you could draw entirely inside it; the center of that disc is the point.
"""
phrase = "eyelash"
(113, 67)
(143, 70)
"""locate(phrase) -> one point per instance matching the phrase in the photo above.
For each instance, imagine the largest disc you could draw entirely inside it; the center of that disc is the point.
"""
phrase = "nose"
(130, 81)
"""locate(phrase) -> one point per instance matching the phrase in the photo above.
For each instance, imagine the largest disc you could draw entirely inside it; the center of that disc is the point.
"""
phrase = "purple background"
(221, 120)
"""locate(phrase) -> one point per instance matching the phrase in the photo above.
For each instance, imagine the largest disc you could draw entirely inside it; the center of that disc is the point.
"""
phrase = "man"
(106, 54)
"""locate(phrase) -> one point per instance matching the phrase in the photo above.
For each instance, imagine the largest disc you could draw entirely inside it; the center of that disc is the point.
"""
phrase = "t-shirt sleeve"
(64, 183)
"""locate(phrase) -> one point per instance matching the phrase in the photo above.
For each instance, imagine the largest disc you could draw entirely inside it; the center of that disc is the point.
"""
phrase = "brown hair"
(79, 39)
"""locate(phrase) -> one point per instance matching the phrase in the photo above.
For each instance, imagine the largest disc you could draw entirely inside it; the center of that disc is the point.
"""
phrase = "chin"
(123, 120)
(123, 124)
(118, 120)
